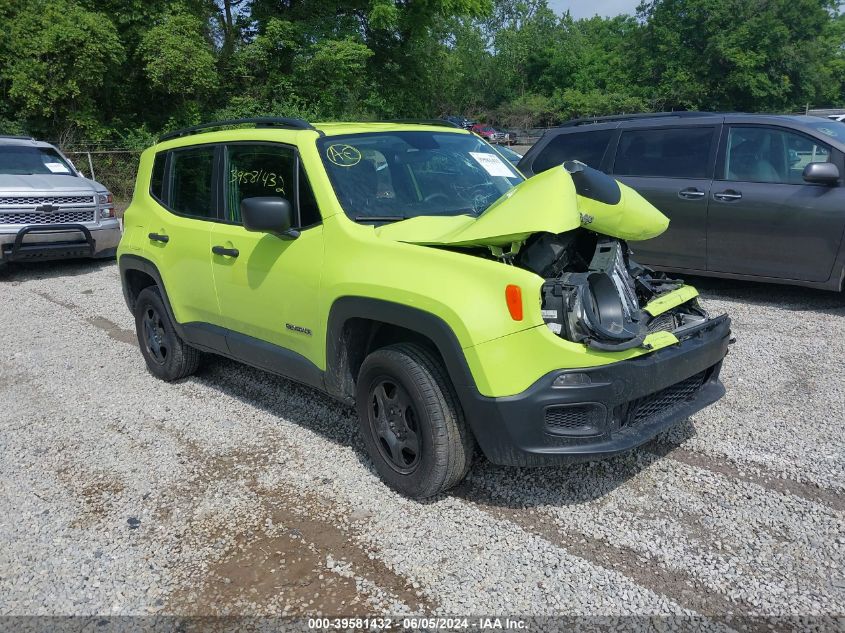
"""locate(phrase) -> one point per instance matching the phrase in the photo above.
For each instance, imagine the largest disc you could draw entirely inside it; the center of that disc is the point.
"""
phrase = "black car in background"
(749, 196)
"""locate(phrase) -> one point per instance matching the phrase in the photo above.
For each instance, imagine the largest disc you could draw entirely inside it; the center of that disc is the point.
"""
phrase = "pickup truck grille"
(71, 216)
(23, 201)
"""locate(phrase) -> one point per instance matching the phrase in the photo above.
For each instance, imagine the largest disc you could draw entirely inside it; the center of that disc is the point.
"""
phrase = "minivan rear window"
(588, 147)
(669, 153)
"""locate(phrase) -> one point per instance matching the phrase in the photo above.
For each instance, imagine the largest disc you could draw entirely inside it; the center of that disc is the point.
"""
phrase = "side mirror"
(268, 214)
(821, 173)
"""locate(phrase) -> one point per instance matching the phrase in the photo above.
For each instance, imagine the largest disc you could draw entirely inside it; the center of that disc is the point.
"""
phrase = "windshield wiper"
(380, 218)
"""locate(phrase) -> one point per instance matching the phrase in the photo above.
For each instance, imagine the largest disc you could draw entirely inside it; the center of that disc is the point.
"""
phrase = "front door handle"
(728, 195)
(691, 193)
(158, 237)
(225, 252)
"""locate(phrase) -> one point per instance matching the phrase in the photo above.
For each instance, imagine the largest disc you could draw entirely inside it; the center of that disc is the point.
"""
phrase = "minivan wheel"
(168, 356)
(411, 422)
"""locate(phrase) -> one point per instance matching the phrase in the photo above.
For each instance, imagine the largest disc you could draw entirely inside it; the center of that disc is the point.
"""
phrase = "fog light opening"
(571, 380)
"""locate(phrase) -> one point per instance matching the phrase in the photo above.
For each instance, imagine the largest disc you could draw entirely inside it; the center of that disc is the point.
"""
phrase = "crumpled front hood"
(38, 183)
(546, 203)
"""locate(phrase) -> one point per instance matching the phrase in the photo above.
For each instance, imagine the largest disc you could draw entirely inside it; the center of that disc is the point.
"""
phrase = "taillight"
(513, 297)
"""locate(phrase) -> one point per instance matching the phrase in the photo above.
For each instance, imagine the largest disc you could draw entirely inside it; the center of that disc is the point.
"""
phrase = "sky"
(589, 8)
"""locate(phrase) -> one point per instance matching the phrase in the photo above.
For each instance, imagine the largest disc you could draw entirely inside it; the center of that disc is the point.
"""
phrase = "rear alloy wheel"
(168, 356)
(411, 422)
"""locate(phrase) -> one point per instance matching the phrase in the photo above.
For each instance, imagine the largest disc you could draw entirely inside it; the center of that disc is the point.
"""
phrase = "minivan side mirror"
(821, 173)
(268, 214)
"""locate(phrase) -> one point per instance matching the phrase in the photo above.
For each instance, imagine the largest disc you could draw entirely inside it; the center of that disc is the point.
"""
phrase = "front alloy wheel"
(411, 422)
(393, 422)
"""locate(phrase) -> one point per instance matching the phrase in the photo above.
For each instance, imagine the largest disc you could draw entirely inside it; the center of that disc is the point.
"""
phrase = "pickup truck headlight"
(106, 202)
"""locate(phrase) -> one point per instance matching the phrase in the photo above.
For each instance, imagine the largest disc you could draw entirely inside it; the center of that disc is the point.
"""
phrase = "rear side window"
(257, 171)
(191, 190)
(670, 153)
(157, 180)
(588, 147)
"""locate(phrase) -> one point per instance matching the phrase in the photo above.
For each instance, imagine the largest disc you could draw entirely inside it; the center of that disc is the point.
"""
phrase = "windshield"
(22, 160)
(507, 152)
(389, 176)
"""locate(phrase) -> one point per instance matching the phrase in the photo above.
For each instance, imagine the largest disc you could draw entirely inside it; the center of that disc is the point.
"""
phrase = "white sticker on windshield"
(57, 168)
(492, 164)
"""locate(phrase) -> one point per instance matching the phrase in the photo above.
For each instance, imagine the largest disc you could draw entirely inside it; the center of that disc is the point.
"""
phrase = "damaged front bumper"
(604, 410)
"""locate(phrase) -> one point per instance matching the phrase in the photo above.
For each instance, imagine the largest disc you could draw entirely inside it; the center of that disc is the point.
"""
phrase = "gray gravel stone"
(121, 494)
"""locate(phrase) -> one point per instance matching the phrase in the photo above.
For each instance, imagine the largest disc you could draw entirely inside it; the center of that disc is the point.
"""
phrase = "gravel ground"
(237, 492)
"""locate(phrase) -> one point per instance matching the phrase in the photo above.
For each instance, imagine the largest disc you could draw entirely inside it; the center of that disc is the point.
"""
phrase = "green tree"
(177, 57)
(525, 45)
(731, 54)
(180, 65)
(406, 40)
(832, 79)
(468, 74)
(332, 76)
(58, 58)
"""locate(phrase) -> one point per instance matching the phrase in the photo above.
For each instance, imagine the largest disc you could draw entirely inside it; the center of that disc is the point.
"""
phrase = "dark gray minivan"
(749, 196)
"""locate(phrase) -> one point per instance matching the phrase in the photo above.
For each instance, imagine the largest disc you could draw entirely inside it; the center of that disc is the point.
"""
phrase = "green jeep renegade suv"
(411, 271)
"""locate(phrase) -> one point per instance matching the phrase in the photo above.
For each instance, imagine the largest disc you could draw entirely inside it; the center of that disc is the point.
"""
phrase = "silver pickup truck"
(48, 210)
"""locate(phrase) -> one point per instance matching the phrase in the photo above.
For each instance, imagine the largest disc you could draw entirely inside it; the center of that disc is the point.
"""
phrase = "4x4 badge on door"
(298, 328)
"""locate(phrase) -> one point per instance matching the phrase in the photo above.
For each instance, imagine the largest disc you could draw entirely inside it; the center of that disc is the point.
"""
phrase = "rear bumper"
(62, 241)
(624, 405)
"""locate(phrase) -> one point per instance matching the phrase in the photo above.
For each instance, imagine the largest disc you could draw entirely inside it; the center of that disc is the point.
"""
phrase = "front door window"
(258, 171)
(760, 154)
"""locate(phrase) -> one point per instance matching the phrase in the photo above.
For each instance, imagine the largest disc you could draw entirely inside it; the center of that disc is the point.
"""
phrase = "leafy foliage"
(58, 63)
(177, 58)
(124, 70)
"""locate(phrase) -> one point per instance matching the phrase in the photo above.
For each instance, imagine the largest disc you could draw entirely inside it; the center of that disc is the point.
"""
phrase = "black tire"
(411, 421)
(168, 356)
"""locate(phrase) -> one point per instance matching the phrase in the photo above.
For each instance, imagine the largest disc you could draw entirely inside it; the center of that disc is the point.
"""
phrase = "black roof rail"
(634, 117)
(438, 122)
(261, 121)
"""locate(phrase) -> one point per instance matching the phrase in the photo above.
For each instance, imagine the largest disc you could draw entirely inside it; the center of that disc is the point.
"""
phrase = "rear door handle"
(158, 237)
(225, 252)
(728, 195)
(691, 193)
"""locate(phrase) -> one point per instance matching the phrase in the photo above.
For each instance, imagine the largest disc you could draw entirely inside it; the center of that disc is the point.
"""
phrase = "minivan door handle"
(691, 193)
(728, 195)
(158, 237)
(225, 252)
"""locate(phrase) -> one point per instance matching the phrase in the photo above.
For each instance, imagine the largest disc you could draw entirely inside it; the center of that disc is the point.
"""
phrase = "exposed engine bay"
(595, 292)
(571, 226)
